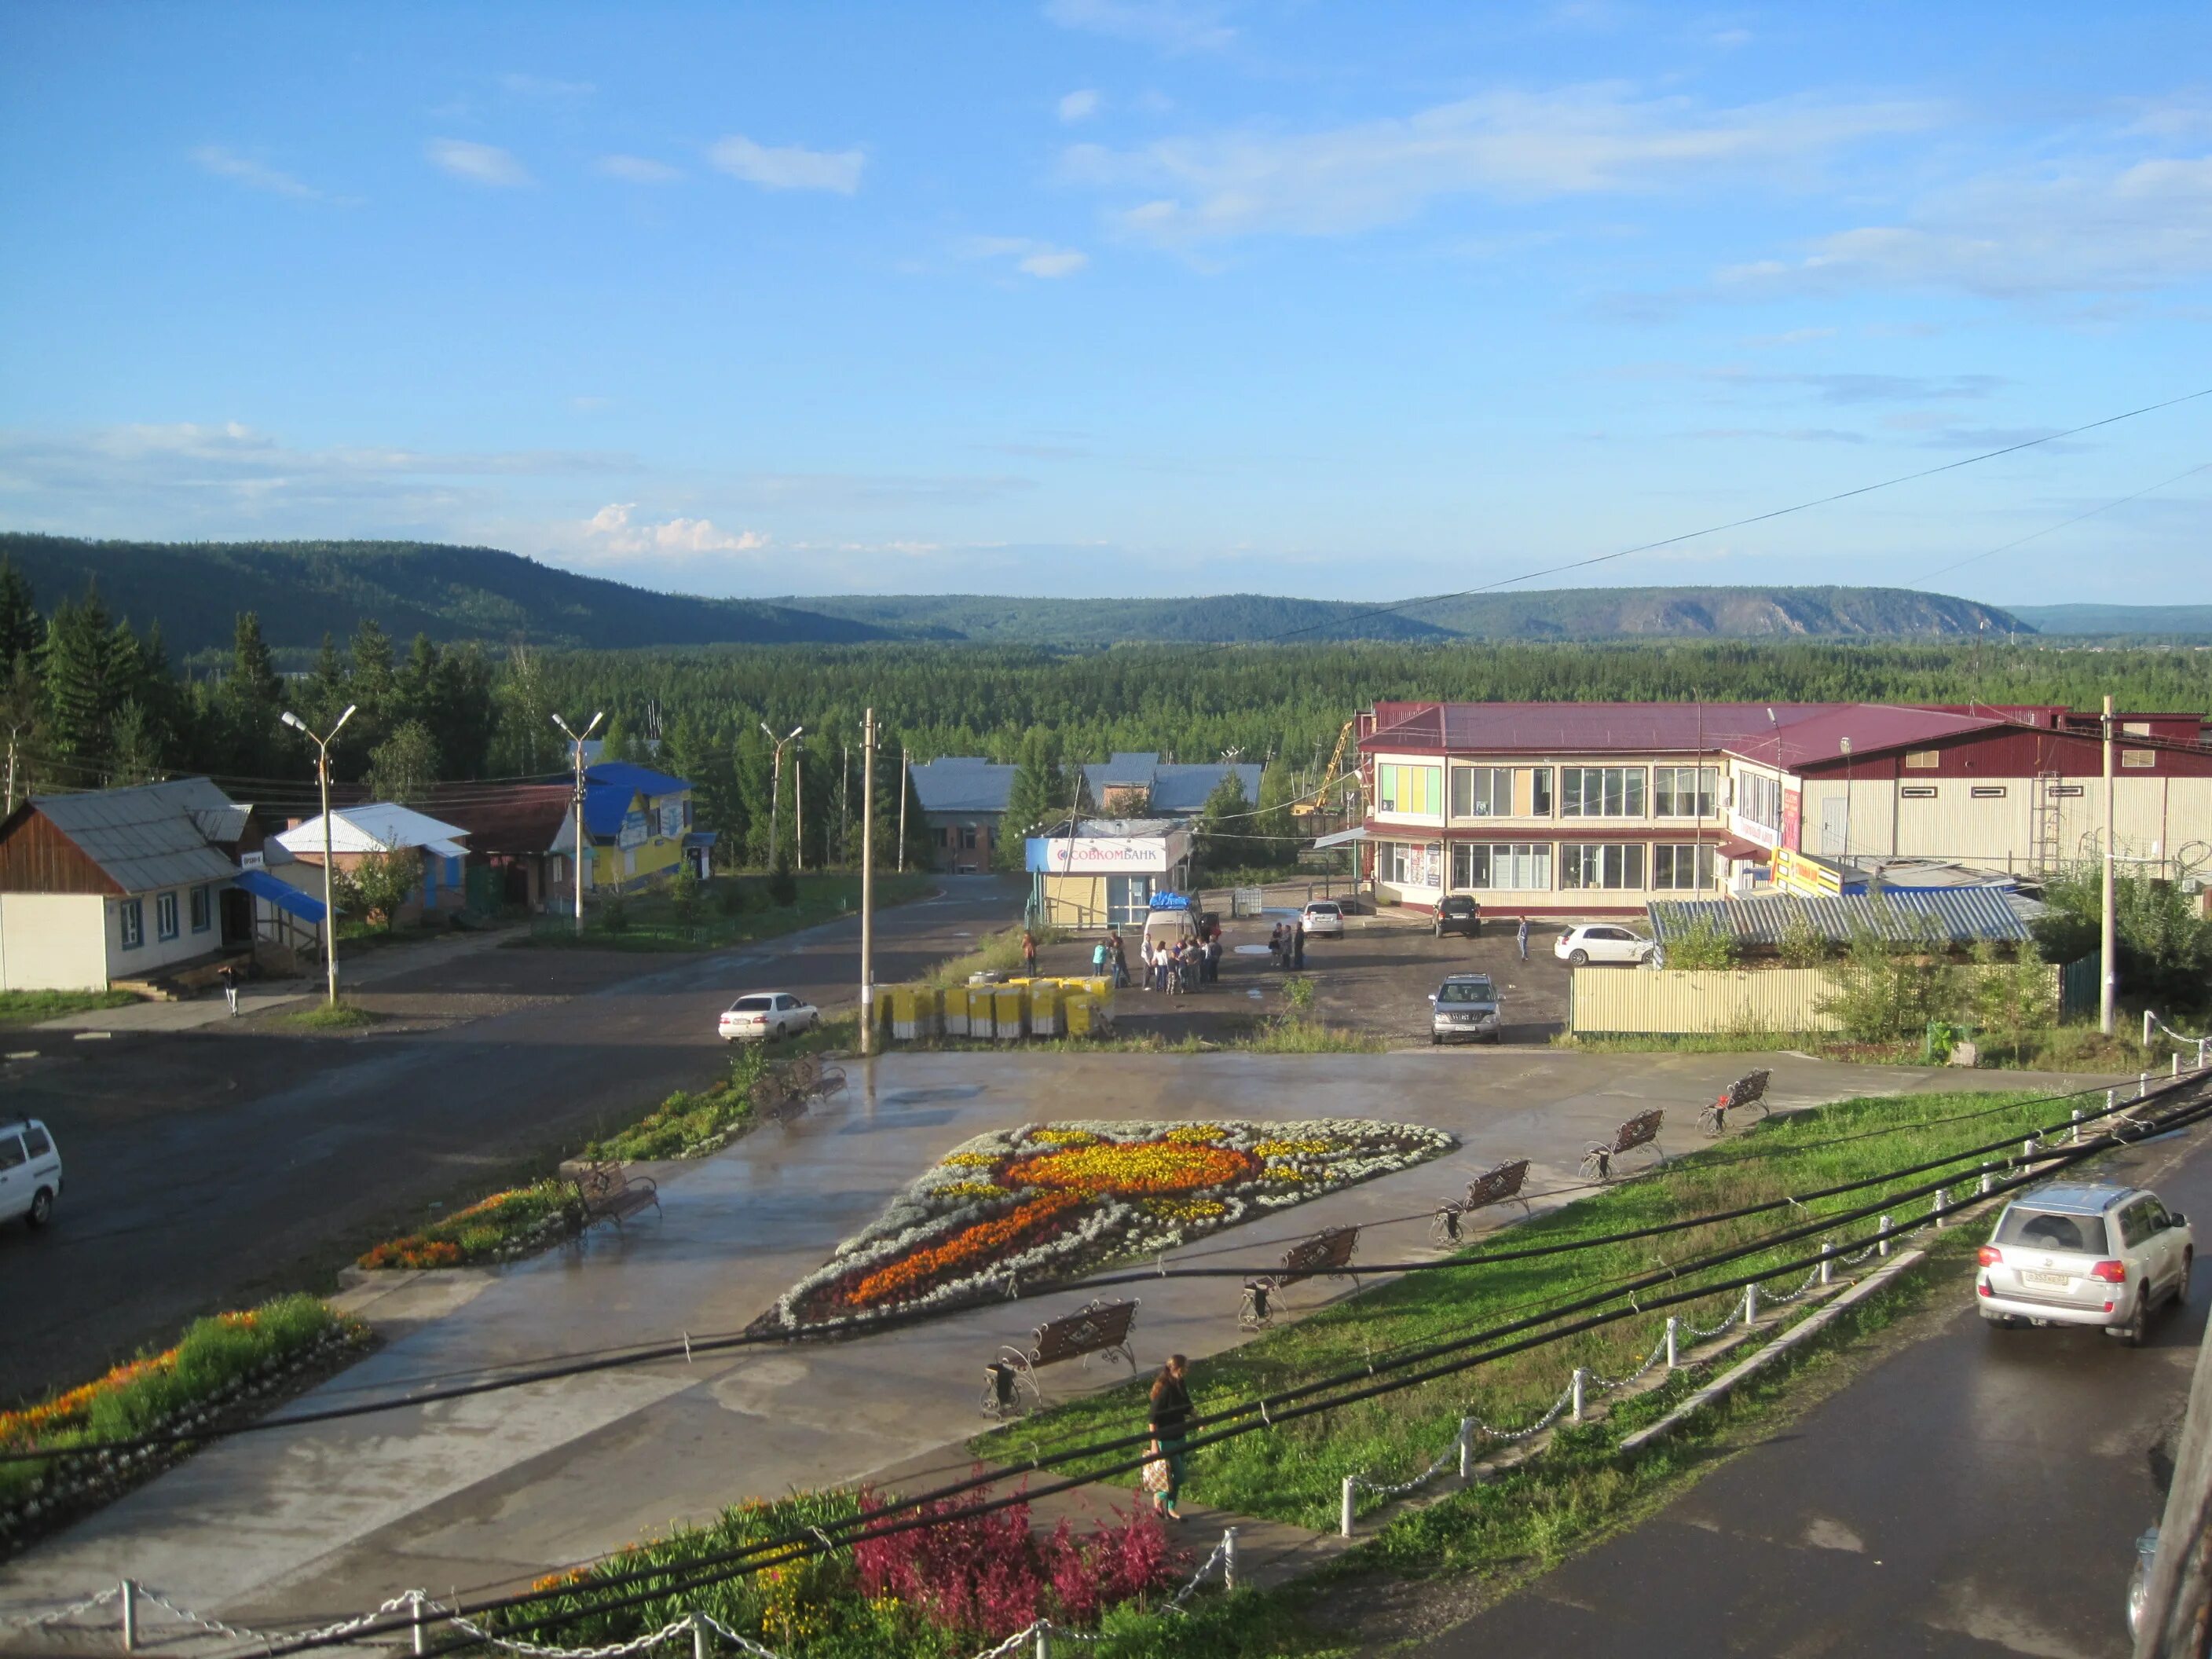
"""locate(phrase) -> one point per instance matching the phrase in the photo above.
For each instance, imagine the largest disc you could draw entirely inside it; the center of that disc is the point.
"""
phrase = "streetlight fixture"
(578, 742)
(323, 777)
(776, 787)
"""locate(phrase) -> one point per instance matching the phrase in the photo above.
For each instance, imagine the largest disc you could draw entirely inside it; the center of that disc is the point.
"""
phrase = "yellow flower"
(968, 1161)
(971, 1189)
(1289, 1148)
(1195, 1134)
(1065, 1137)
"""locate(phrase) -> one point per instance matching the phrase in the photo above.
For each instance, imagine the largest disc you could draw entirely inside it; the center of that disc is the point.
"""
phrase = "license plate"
(2046, 1281)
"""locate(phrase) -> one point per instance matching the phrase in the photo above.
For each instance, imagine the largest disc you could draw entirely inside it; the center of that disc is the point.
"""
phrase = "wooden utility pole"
(2108, 968)
(903, 774)
(868, 883)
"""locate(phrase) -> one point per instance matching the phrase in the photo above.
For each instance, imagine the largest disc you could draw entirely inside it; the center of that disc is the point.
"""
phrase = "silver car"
(1466, 1009)
(2087, 1253)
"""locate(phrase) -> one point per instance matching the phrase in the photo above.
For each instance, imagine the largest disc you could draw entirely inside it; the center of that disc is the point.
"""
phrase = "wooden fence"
(1632, 1001)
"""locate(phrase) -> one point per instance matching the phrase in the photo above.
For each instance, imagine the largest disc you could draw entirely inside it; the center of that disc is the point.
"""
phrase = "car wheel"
(1438, 932)
(1579, 958)
(1435, 1040)
(42, 1208)
(2136, 1331)
(2181, 1280)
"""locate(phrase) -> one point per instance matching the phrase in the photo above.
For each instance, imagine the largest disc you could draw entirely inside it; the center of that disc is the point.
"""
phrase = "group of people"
(1287, 945)
(1109, 959)
(1183, 965)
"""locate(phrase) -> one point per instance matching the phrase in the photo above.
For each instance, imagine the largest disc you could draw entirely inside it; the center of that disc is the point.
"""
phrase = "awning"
(1743, 852)
(282, 894)
(1341, 837)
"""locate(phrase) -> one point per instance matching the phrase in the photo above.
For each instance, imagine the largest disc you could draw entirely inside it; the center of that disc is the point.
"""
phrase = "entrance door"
(1128, 900)
(1835, 818)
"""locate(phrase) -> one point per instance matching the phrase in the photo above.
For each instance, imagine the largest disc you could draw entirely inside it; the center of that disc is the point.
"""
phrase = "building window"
(1918, 791)
(967, 838)
(1413, 791)
(1482, 791)
(203, 909)
(165, 916)
(2064, 791)
(1409, 864)
(2141, 759)
(1922, 760)
(1595, 864)
(2136, 728)
(1683, 868)
(1519, 867)
(1988, 791)
(1601, 792)
(1539, 792)
(1761, 801)
(131, 921)
(1684, 792)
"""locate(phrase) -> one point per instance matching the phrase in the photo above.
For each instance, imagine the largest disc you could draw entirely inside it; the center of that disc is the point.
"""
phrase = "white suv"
(1601, 941)
(2085, 1253)
(30, 1171)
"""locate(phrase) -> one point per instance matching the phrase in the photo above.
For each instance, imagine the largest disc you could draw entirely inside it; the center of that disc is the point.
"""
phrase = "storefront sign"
(1061, 855)
(1170, 901)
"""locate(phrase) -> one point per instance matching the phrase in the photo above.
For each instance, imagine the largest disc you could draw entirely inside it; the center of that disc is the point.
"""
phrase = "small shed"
(1103, 872)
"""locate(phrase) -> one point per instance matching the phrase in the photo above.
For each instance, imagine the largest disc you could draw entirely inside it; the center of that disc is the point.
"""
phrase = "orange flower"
(984, 1240)
(1136, 1168)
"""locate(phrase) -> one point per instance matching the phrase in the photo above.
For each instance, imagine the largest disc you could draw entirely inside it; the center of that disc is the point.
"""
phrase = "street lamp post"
(775, 784)
(323, 778)
(578, 744)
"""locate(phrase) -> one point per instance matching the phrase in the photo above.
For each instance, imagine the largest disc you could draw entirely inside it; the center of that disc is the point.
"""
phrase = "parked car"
(1459, 913)
(770, 1015)
(1601, 941)
(1323, 918)
(2139, 1581)
(30, 1171)
(2085, 1253)
(1466, 1005)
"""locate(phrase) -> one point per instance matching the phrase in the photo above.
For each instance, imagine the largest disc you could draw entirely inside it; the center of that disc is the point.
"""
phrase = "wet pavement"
(1977, 1493)
(500, 1488)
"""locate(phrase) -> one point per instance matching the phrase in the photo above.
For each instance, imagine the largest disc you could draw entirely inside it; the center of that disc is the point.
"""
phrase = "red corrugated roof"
(1578, 728)
(524, 817)
(1872, 727)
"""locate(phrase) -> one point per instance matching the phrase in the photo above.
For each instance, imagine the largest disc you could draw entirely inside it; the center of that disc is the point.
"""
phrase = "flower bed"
(932, 1594)
(1051, 1201)
(504, 1227)
(222, 1367)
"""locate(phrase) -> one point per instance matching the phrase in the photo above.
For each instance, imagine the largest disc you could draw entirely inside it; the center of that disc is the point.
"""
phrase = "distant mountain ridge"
(2120, 621)
(302, 590)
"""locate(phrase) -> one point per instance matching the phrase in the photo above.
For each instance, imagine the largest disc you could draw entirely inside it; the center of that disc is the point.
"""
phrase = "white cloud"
(1079, 106)
(538, 86)
(1032, 258)
(613, 531)
(1168, 26)
(2077, 227)
(789, 166)
(635, 169)
(480, 164)
(226, 164)
(1513, 146)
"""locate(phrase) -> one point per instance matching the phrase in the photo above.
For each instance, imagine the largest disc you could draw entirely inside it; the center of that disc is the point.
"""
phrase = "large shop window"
(1595, 864)
(1684, 792)
(1418, 791)
(1682, 869)
(1520, 865)
(1601, 792)
(1409, 864)
(1482, 791)
(1760, 799)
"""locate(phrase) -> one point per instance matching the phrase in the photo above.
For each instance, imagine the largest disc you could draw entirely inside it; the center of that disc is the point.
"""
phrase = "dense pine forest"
(88, 700)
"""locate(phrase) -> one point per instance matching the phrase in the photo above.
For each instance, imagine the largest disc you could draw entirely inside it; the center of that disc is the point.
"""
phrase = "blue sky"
(1118, 296)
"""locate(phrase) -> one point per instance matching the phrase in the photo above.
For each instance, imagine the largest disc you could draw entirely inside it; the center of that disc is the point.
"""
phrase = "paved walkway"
(495, 1490)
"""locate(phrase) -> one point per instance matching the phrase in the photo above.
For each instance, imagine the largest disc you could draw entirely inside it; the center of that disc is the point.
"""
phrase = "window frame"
(1532, 858)
(131, 924)
(168, 917)
(1623, 784)
(203, 909)
(1626, 858)
(1705, 867)
(1704, 792)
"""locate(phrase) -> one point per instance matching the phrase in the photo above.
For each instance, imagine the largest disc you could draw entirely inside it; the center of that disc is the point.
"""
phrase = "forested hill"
(2162, 622)
(303, 590)
(1577, 613)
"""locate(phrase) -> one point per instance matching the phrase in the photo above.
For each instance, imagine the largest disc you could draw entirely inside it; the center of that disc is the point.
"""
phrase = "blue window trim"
(131, 924)
(203, 909)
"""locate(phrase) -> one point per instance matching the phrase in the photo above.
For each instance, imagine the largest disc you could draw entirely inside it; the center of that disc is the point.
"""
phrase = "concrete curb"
(1790, 1341)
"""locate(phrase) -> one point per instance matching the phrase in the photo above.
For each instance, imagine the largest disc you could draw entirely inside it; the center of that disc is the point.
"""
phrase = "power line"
(2062, 524)
(1736, 524)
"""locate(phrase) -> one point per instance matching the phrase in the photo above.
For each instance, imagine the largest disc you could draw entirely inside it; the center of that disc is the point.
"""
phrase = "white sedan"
(768, 1015)
(1323, 918)
(1600, 941)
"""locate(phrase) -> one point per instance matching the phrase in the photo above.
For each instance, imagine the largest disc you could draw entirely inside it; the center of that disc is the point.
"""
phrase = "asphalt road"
(207, 1170)
(1977, 1493)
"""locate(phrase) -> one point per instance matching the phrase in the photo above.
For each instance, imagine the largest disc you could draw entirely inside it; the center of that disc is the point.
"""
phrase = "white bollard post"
(415, 1616)
(2177, 1062)
(2029, 1151)
(1344, 1521)
(1043, 1640)
(1988, 1180)
(1575, 1387)
(698, 1638)
(130, 1617)
(2077, 1126)
(1467, 1449)
(1827, 1265)
(2143, 1085)
(1674, 1326)
(2112, 1101)
(1881, 1236)
(1229, 1558)
(1750, 1306)
(1942, 1194)
(2148, 1017)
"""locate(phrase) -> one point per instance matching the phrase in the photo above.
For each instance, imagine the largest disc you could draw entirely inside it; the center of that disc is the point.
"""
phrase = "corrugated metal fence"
(1606, 1001)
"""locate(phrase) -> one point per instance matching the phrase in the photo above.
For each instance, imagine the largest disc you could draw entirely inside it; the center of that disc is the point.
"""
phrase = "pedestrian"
(1298, 945)
(1521, 938)
(1213, 959)
(1029, 953)
(1120, 956)
(1275, 945)
(1169, 1427)
(228, 977)
(1194, 964)
(1098, 955)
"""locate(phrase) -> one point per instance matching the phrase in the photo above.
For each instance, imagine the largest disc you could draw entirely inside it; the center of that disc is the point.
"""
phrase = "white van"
(30, 1171)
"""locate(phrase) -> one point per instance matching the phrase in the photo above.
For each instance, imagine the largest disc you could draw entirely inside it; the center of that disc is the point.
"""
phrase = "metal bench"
(1501, 1185)
(784, 1091)
(1098, 1327)
(1749, 1089)
(610, 1193)
(1641, 1130)
(1327, 1253)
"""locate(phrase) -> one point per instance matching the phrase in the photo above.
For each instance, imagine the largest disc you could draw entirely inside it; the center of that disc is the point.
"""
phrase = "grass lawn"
(325, 1017)
(650, 921)
(29, 1007)
(2060, 1049)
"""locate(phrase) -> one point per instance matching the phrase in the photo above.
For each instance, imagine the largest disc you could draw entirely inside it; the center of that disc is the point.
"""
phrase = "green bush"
(1882, 988)
(1801, 945)
(1706, 945)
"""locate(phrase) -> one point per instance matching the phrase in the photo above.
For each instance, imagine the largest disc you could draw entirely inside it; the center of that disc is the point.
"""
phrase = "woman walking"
(1169, 1428)
(1029, 953)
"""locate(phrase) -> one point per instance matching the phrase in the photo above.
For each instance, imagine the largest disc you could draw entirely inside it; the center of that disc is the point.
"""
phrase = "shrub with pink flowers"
(990, 1575)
